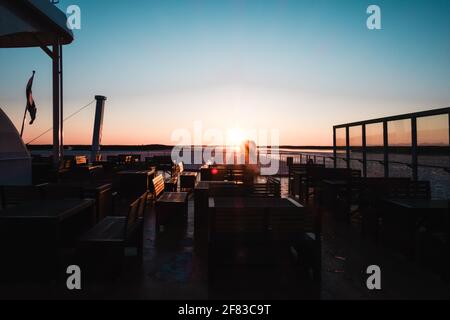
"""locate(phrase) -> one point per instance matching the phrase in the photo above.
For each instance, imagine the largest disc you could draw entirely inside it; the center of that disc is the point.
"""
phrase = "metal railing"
(387, 150)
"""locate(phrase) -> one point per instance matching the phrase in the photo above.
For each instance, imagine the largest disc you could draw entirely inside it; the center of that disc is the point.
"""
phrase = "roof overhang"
(32, 23)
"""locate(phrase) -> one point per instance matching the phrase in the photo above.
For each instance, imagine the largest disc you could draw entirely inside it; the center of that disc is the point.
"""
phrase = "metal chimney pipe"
(98, 127)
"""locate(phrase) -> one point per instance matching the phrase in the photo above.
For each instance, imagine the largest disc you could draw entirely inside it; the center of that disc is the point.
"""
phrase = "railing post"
(334, 148)
(386, 148)
(347, 144)
(364, 150)
(449, 136)
(415, 172)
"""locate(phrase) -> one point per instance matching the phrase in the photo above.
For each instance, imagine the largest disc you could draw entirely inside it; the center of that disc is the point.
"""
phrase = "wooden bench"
(170, 207)
(113, 234)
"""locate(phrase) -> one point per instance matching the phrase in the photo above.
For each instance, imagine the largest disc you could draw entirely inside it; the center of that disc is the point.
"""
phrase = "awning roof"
(32, 23)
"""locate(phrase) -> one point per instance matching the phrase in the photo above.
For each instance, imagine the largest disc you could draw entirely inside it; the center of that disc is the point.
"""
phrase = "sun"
(236, 137)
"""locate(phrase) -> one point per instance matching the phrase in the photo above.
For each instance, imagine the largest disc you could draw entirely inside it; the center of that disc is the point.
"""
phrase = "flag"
(31, 106)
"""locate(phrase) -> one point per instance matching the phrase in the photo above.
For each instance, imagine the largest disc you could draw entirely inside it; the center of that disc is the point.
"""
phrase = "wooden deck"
(173, 269)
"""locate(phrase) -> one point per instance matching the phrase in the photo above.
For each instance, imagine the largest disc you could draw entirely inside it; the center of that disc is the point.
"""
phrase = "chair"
(113, 234)
(170, 207)
(171, 184)
(270, 189)
(188, 180)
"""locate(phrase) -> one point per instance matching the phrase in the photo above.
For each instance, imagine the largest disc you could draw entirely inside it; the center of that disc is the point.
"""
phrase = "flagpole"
(23, 121)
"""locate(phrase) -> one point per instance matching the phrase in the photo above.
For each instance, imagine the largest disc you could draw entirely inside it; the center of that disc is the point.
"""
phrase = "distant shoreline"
(151, 147)
(423, 150)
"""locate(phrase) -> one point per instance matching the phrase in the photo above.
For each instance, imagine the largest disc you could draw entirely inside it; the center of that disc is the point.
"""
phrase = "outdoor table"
(33, 234)
(188, 180)
(171, 207)
(134, 183)
(201, 198)
(403, 218)
(102, 193)
(266, 206)
(249, 231)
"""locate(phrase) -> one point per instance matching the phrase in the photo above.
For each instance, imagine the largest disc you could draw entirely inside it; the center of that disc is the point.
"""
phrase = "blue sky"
(297, 66)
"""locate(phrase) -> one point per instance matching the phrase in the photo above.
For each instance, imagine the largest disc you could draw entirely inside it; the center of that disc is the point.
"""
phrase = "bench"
(113, 234)
(170, 207)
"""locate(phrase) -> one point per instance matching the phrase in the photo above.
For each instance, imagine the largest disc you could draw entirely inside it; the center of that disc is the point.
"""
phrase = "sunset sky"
(299, 67)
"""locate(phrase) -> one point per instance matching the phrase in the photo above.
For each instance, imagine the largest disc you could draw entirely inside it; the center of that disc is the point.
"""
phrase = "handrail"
(381, 162)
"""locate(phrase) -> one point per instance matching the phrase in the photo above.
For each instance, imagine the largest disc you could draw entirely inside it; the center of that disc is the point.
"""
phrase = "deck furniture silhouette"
(170, 207)
(311, 184)
(202, 192)
(102, 193)
(405, 219)
(35, 232)
(11, 196)
(188, 180)
(206, 189)
(240, 173)
(171, 183)
(253, 231)
(296, 175)
(162, 163)
(113, 234)
(375, 192)
(133, 183)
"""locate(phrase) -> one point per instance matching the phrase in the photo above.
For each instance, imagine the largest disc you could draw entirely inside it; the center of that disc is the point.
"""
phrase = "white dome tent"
(15, 160)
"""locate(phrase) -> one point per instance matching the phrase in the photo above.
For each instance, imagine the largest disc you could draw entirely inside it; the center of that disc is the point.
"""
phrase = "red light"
(214, 171)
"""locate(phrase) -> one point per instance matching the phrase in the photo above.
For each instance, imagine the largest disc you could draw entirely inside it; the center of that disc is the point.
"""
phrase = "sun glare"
(235, 137)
